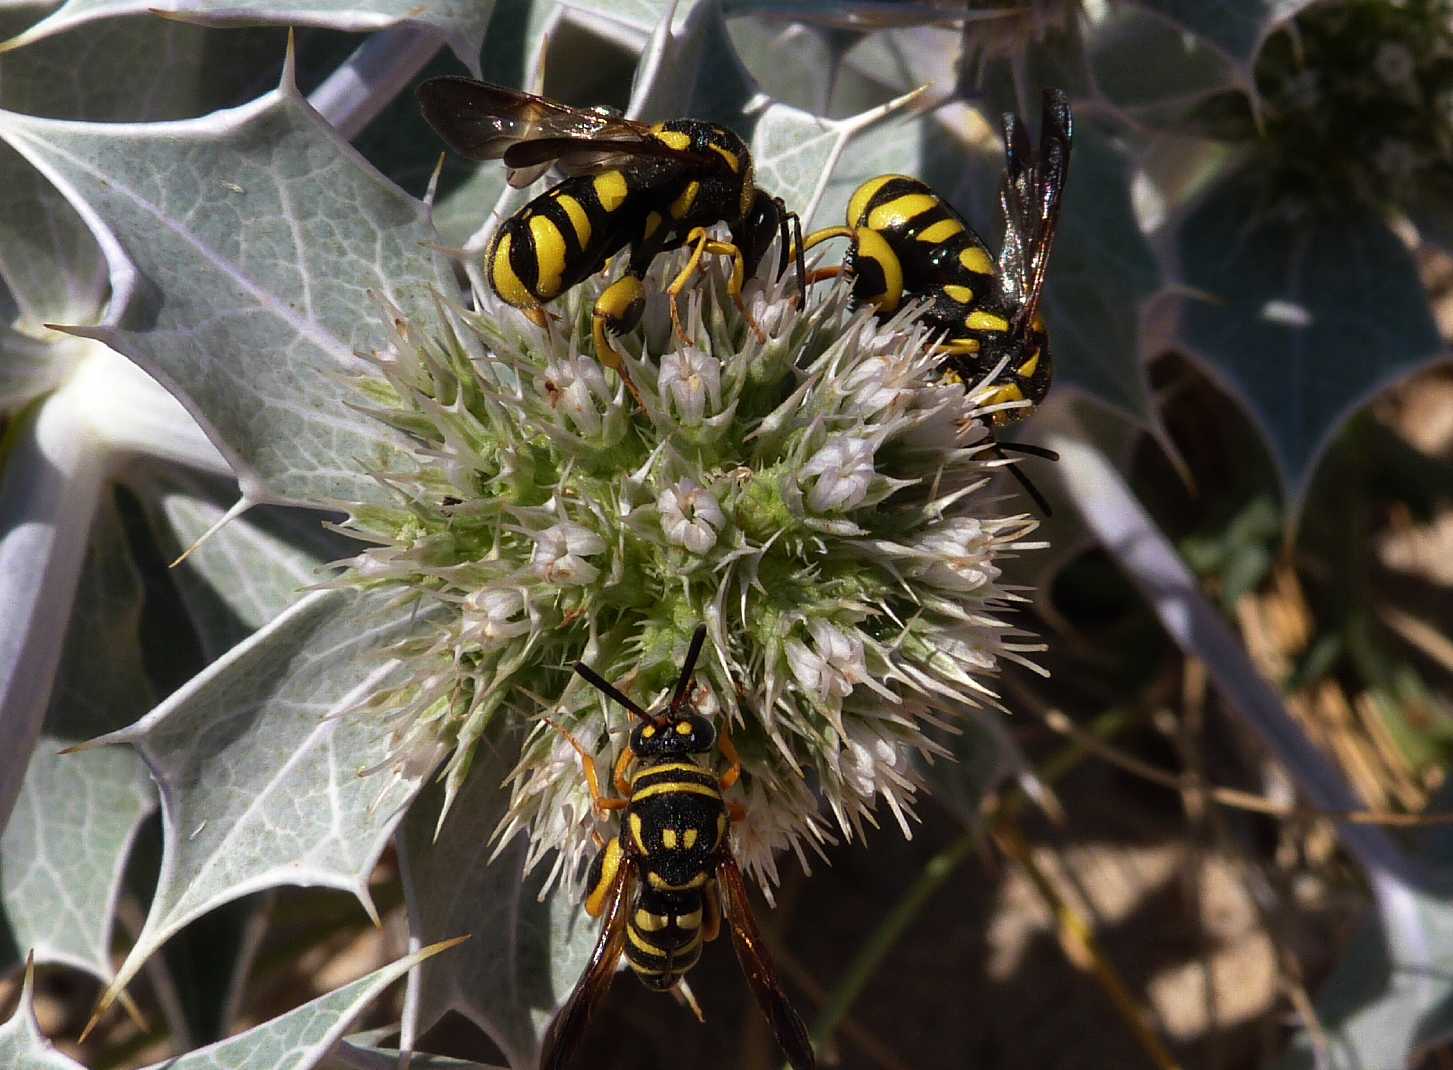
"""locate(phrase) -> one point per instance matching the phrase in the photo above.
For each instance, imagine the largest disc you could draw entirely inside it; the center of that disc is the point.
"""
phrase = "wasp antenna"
(1042, 452)
(1025, 482)
(683, 682)
(606, 687)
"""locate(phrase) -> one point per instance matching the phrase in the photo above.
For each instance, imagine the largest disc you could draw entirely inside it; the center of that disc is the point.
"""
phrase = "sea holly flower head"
(803, 484)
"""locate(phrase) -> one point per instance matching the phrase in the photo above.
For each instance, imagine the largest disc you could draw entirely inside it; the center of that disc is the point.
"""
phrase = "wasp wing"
(585, 155)
(568, 1026)
(1030, 192)
(757, 965)
(481, 121)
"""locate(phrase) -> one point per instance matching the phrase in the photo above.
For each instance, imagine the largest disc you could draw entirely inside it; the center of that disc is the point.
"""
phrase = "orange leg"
(592, 778)
(623, 786)
(705, 244)
(734, 760)
(822, 274)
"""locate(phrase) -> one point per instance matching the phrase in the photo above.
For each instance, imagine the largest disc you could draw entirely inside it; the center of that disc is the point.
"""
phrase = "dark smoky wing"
(589, 155)
(481, 121)
(757, 965)
(1014, 205)
(569, 1024)
(1030, 196)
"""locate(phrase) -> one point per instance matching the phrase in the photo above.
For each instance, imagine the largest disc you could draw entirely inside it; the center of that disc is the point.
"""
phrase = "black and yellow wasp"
(651, 188)
(906, 242)
(664, 883)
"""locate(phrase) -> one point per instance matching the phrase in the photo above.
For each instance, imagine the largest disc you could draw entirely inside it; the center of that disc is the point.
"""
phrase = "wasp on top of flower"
(797, 478)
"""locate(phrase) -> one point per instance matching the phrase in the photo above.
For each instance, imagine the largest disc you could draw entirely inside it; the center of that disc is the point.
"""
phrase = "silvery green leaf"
(792, 63)
(794, 152)
(1234, 27)
(897, 61)
(936, 150)
(246, 572)
(863, 15)
(641, 16)
(1390, 996)
(257, 238)
(258, 761)
(1303, 318)
(122, 81)
(301, 1038)
(1149, 67)
(59, 456)
(77, 814)
(524, 956)
(460, 22)
(1102, 280)
(351, 1056)
(22, 1045)
(50, 485)
(52, 268)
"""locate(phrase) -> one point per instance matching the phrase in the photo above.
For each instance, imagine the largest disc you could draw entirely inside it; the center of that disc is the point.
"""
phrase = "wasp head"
(678, 729)
(678, 733)
(766, 218)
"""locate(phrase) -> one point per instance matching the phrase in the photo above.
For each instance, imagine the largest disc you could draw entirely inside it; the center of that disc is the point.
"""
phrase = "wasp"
(665, 882)
(629, 185)
(907, 242)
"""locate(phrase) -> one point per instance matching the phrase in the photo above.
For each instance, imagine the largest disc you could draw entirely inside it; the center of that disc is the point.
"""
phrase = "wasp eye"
(683, 728)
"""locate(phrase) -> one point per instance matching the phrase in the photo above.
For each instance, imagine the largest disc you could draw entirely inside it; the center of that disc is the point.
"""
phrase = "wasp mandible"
(665, 882)
(646, 187)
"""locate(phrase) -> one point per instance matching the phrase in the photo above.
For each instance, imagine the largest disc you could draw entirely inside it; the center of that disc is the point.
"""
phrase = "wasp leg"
(793, 248)
(817, 237)
(599, 799)
(711, 914)
(623, 786)
(706, 244)
(699, 238)
(536, 315)
(734, 760)
(616, 311)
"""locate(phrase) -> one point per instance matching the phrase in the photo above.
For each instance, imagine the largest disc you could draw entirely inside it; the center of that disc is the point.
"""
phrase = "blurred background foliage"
(1248, 308)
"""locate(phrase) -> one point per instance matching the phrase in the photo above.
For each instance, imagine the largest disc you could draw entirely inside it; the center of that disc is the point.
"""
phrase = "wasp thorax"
(692, 734)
